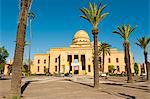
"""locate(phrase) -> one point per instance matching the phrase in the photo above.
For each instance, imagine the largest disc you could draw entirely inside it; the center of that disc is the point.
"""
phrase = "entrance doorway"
(76, 69)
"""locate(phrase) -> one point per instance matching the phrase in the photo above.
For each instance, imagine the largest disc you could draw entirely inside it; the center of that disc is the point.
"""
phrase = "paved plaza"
(78, 88)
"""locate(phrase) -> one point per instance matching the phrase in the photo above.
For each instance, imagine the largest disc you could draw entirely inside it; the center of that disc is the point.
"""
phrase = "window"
(69, 58)
(109, 61)
(55, 68)
(55, 60)
(83, 67)
(75, 56)
(44, 61)
(83, 61)
(70, 68)
(38, 69)
(89, 68)
(38, 61)
(118, 69)
(44, 68)
(117, 60)
(100, 59)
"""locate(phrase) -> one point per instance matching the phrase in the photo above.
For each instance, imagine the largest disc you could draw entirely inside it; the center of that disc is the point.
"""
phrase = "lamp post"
(31, 16)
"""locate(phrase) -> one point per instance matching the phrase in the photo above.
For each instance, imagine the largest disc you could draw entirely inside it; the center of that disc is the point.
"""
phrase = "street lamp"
(31, 16)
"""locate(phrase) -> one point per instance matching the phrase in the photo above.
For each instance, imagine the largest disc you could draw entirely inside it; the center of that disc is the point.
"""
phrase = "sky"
(57, 21)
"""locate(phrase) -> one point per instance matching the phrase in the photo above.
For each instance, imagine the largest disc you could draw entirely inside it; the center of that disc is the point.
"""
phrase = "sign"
(76, 67)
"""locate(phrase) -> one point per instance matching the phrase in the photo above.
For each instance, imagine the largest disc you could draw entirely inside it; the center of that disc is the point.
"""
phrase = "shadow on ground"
(4, 78)
(127, 96)
(145, 88)
(26, 84)
(80, 83)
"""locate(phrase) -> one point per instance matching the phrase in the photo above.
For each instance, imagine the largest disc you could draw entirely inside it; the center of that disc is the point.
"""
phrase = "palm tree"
(94, 15)
(104, 49)
(143, 43)
(19, 50)
(125, 32)
(3, 55)
(31, 16)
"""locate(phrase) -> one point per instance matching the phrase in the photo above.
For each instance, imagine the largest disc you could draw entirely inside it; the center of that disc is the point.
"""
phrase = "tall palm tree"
(104, 49)
(94, 15)
(125, 32)
(19, 50)
(31, 16)
(143, 43)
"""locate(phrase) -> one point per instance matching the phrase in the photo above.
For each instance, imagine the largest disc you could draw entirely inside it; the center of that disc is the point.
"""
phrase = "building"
(77, 59)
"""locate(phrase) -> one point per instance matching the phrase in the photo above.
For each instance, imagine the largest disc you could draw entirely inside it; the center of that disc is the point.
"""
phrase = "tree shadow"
(113, 84)
(145, 88)
(127, 96)
(84, 84)
(4, 78)
(80, 83)
(24, 86)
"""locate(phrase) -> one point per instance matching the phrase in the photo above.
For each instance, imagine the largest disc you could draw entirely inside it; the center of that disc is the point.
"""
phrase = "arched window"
(38, 61)
(44, 61)
(38, 69)
(109, 61)
(55, 68)
(117, 60)
(118, 69)
(44, 68)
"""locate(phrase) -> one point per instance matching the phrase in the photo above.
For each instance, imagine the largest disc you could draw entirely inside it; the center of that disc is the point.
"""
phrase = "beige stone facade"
(77, 59)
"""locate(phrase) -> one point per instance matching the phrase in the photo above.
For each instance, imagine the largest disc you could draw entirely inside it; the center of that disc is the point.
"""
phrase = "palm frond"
(120, 29)
(102, 8)
(103, 16)
(94, 14)
(84, 11)
(91, 8)
(116, 32)
(125, 31)
(138, 44)
(94, 9)
(84, 17)
(130, 30)
(143, 42)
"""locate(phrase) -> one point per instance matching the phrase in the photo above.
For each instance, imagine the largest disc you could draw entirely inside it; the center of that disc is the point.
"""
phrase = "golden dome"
(81, 39)
(81, 34)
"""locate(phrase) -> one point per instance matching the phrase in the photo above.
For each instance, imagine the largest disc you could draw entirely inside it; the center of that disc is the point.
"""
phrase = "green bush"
(120, 75)
(111, 68)
(55, 74)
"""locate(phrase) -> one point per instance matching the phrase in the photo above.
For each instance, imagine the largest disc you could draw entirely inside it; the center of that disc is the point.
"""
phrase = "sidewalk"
(119, 87)
(78, 88)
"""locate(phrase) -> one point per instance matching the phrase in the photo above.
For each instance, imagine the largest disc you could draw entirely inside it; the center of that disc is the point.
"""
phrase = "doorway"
(76, 69)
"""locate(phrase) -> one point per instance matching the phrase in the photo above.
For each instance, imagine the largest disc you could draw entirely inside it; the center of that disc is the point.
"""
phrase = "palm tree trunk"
(127, 62)
(96, 70)
(146, 63)
(103, 61)
(19, 50)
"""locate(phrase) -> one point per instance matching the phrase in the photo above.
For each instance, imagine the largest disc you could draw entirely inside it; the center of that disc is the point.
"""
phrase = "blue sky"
(57, 21)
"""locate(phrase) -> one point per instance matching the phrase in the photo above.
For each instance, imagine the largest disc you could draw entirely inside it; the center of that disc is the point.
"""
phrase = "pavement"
(78, 87)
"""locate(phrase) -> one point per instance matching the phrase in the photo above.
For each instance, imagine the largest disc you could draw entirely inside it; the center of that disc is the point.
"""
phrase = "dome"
(81, 39)
(81, 34)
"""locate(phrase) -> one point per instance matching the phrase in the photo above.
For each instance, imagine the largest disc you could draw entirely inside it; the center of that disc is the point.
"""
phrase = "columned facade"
(77, 59)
